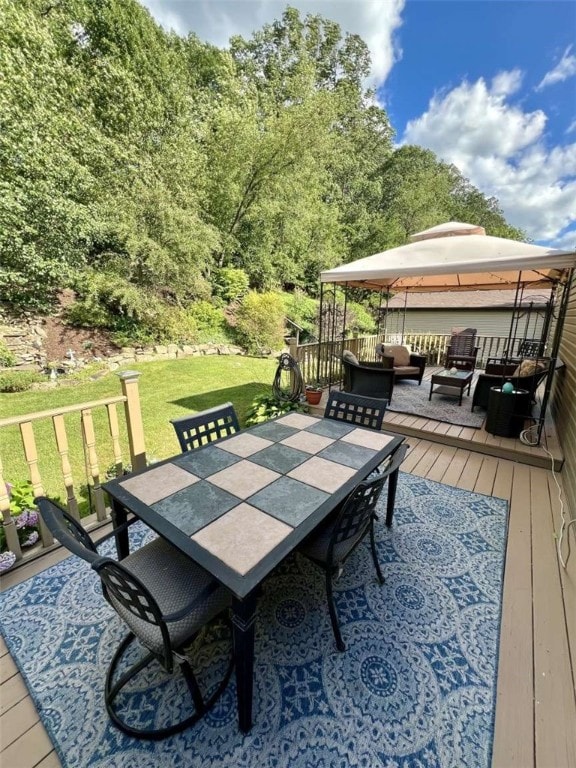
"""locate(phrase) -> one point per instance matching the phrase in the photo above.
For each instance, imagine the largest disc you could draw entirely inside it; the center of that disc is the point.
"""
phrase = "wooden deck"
(536, 702)
(477, 440)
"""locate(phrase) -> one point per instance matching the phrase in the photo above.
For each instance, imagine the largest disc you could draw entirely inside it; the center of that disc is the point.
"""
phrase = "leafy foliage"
(6, 357)
(260, 322)
(151, 171)
(230, 284)
(265, 407)
(18, 381)
(26, 519)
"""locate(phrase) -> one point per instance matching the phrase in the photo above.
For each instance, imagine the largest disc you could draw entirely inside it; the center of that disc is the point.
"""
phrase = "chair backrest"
(205, 426)
(359, 508)
(355, 409)
(530, 348)
(127, 594)
(368, 380)
(463, 342)
(66, 529)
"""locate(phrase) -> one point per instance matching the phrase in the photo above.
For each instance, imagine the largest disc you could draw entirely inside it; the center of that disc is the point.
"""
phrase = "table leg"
(119, 517)
(392, 485)
(243, 626)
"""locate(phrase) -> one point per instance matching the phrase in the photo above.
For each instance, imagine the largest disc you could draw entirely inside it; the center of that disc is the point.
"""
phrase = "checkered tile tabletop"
(239, 498)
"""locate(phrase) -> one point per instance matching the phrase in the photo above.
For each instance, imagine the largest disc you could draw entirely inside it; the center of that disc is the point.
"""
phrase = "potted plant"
(313, 393)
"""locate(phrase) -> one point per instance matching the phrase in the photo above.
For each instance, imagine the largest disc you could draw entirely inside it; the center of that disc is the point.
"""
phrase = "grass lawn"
(168, 389)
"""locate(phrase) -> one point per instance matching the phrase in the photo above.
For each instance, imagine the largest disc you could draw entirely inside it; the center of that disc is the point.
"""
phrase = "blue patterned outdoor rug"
(414, 689)
(409, 397)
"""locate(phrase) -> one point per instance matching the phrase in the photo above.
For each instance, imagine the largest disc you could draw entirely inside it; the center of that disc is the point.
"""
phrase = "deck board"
(514, 730)
(554, 738)
(534, 712)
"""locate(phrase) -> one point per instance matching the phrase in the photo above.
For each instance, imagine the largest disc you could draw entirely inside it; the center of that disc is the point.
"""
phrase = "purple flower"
(7, 560)
(28, 518)
(32, 517)
(31, 539)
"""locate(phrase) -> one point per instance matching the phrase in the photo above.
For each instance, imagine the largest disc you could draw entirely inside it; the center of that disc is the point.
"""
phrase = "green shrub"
(105, 299)
(260, 322)
(358, 318)
(6, 357)
(26, 520)
(303, 310)
(230, 284)
(18, 381)
(266, 406)
(210, 322)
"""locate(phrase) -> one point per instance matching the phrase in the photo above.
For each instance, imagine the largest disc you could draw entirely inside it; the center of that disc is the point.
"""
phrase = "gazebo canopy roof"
(455, 257)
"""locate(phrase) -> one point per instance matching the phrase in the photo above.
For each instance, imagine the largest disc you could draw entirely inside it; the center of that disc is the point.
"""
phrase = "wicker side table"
(507, 411)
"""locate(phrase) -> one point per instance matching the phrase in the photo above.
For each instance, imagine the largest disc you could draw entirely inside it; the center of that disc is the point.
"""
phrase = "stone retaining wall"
(24, 337)
(129, 355)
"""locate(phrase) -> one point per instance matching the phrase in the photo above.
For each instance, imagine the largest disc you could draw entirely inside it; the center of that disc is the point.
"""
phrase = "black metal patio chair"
(164, 598)
(206, 426)
(331, 545)
(355, 409)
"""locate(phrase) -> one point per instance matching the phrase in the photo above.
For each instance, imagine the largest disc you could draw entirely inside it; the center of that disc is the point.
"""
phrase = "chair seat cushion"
(173, 580)
(317, 547)
(400, 353)
(405, 370)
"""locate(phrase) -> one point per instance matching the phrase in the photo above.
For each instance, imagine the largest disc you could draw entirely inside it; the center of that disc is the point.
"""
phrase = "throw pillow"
(528, 368)
(400, 354)
(349, 357)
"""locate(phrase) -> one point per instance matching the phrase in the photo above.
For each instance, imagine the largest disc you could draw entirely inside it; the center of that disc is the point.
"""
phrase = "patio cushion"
(400, 353)
(529, 368)
(350, 357)
(403, 370)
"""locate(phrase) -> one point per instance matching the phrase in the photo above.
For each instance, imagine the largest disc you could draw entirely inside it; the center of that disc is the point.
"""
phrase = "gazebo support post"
(513, 319)
(548, 319)
(320, 325)
(554, 352)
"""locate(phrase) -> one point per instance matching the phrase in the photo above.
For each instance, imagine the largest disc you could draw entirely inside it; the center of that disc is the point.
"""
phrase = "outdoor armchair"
(165, 599)
(462, 351)
(404, 363)
(526, 374)
(368, 379)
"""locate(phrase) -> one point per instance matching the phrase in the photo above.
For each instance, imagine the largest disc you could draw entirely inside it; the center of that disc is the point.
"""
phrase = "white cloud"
(215, 21)
(502, 150)
(565, 241)
(571, 127)
(565, 68)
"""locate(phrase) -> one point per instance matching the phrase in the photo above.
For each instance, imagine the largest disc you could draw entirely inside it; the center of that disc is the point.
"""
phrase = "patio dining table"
(240, 505)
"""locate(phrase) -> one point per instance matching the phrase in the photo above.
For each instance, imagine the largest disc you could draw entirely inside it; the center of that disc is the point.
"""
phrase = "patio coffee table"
(240, 505)
(452, 384)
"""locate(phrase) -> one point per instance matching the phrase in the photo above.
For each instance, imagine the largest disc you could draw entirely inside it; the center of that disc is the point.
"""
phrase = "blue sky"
(489, 85)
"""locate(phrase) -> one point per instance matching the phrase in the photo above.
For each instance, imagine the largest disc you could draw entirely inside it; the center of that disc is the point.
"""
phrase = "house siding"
(488, 322)
(564, 402)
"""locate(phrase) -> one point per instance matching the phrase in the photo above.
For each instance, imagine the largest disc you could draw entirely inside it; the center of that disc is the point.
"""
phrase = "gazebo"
(456, 256)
